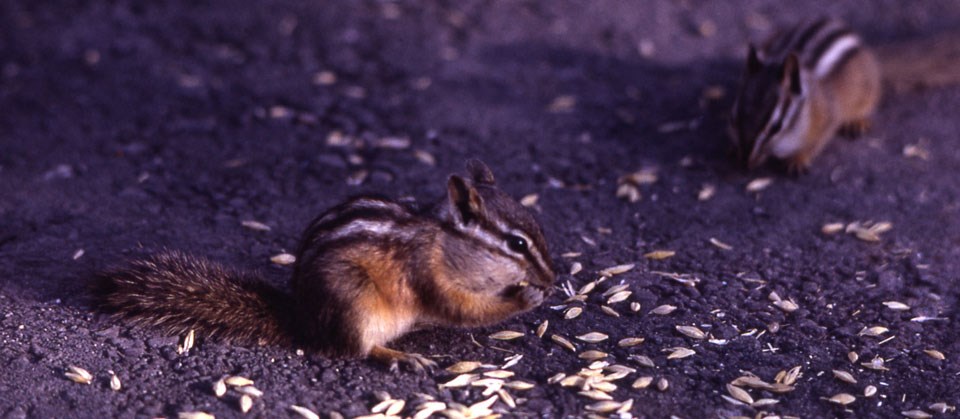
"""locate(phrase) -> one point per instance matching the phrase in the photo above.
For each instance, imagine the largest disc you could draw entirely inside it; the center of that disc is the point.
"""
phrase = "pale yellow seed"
(873, 331)
(706, 192)
(511, 361)
(246, 402)
(428, 409)
(542, 328)
(916, 414)
(615, 289)
(572, 381)
(238, 381)
(739, 394)
(425, 157)
(896, 305)
(635, 306)
(759, 184)
(679, 352)
(499, 374)
(506, 335)
(464, 367)
(941, 407)
(115, 384)
(869, 391)
(853, 356)
(395, 408)
(304, 412)
(642, 382)
(787, 306)
(586, 288)
(529, 200)
(556, 378)
(844, 376)
(663, 384)
(519, 385)
(595, 395)
(692, 331)
(219, 388)
(507, 399)
(791, 377)
(78, 375)
(562, 341)
(935, 354)
(720, 244)
(195, 415)
(283, 259)
(255, 225)
(593, 337)
(831, 228)
(604, 406)
(609, 311)
(628, 342)
(461, 380)
(663, 309)
(764, 402)
(877, 363)
(593, 355)
(250, 391)
(572, 313)
(618, 297)
(616, 270)
(625, 407)
(659, 254)
(643, 360)
(575, 268)
(843, 399)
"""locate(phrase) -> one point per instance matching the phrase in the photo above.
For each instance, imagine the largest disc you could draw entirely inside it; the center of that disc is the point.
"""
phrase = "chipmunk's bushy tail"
(177, 292)
(921, 63)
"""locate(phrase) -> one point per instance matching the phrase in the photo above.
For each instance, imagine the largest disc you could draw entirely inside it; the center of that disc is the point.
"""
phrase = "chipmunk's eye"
(516, 243)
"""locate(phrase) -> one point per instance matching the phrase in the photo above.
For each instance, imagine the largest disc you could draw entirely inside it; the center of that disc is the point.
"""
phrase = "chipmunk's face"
(502, 245)
(767, 107)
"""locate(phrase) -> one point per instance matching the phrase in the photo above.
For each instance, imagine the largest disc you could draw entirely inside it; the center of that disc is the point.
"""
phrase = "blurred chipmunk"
(807, 83)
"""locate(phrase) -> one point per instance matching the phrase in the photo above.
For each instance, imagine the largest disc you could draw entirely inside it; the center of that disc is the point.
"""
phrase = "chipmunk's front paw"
(530, 297)
(418, 363)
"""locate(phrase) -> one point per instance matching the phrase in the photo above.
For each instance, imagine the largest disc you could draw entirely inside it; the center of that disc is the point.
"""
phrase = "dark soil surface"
(127, 127)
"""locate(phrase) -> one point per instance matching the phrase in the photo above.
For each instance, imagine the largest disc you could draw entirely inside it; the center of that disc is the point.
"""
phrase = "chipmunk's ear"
(791, 74)
(480, 173)
(465, 202)
(753, 60)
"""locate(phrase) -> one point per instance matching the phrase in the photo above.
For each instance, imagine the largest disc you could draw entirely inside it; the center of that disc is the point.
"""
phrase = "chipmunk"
(366, 272)
(806, 84)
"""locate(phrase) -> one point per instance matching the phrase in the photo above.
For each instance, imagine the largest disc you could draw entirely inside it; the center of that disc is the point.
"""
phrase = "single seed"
(615, 289)
(873, 331)
(428, 409)
(593, 337)
(609, 311)
(720, 244)
(628, 342)
(642, 382)
(625, 408)
(542, 328)
(506, 335)
(853, 356)
(869, 391)
(304, 412)
(659, 254)
(787, 306)
(461, 380)
(643, 360)
(935, 354)
(586, 288)
(593, 355)
(616, 270)
(664, 309)
(395, 408)
(556, 378)
(529, 200)
(595, 395)
(572, 313)
(187, 344)
(283, 259)
(250, 391)
(791, 377)
(238, 381)
(518, 385)
(706, 192)
(896, 305)
(844, 376)
(562, 341)
(663, 384)
(507, 398)
(246, 402)
(764, 402)
(618, 297)
(219, 388)
(679, 352)
(572, 381)
(634, 306)
(499, 374)
(759, 184)
(941, 407)
(195, 415)
(576, 268)
(115, 384)
(511, 361)
(255, 225)
(739, 394)
(78, 375)
(877, 363)
(464, 367)
(916, 414)
(842, 399)
(831, 228)
(692, 331)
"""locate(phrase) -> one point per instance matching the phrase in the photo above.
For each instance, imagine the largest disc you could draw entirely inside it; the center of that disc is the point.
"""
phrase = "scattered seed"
(187, 343)
(195, 415)
(283, 259)
(831, 228)
(609, 311)
(428, 409)
(219, 388)
(572, 381)
(935, 354)
(791, 376)
(506, 335)
(250, 391)
(629, 192)
(642, 382)
(759, 184)
(869, 391)
(663, 309)
(643, 360)
(625, 408)
(556, 378)
(616, 270)
(575, 268)
(842, 399)
(246, 402)
(659, 254)
(679, 352)
(78, 254)
(464, 367)
(618, 297)
(529, 200)
(764, 403)
(873, 331)
(844, 376)
(916, 414)
(593, 337)
(255, 225)
(593, 355)
(635, 306)
(499, 374)
(877, 363)
(853, 356)
(238, 381)
(562, 104)
(562, 341)
(788, 306)
(595, 395)
(511, 361)
(542, 328)
(720, 244)
(739, 394)
(507, 398)
(304, 412)
(518, 385)
(896, 305)
(589, 286)
(628, 342)
(663, 384)
(941, 407)
(572, 313)
(692, 331)
(395, 408)
(78, 375)
(706, 192)
(115, 384)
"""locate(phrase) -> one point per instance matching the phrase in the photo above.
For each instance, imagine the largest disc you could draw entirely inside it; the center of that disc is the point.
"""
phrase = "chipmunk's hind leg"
(854, 129)
(393, 358)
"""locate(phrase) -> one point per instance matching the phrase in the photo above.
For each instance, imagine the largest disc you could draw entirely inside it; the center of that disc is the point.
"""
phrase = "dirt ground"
(127, 127)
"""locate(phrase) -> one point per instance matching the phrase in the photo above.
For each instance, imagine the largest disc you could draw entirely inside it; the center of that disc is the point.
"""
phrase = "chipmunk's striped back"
(821, 46)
